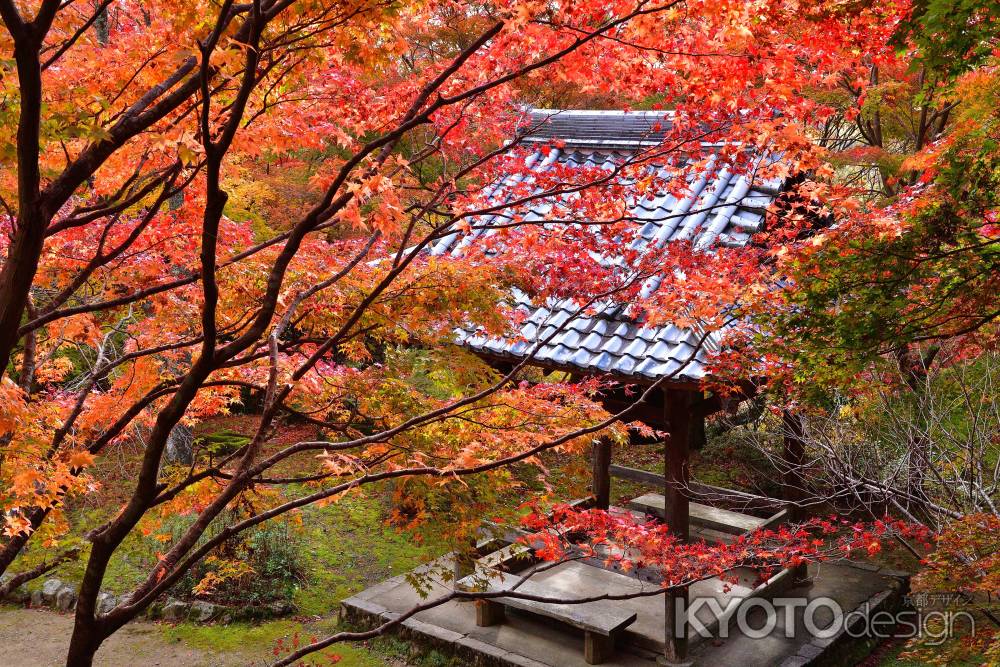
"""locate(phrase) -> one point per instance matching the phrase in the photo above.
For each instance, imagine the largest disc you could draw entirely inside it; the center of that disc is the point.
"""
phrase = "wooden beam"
(698, 489)
(634, 474)
(648, 412)
(651, 413)
(500, 366)
(637, 380)
(601, 473)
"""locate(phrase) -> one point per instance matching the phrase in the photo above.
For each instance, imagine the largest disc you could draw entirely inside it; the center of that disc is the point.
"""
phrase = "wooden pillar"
(675, 626)
(697, 436)
(677, 416)
(794, 457)
(601, 473)
(793, 484)
(489, 612)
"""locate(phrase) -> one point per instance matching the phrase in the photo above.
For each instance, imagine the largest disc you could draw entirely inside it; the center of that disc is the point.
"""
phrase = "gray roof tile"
(603, 361)
(720, 207)
(582, 358)
(597, 128)
(660, 351)
(625, 365)
(636, 349)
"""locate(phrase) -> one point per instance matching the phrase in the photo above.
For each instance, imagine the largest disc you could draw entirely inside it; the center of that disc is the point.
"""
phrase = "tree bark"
(21, 263)
(913, 369)
(794, 456)
(793, 486)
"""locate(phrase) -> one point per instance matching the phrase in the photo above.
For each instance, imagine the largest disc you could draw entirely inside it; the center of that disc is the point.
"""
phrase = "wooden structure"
(721, 208)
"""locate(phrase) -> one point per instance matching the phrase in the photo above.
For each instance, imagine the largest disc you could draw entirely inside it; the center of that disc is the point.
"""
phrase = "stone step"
(710, 535)
(714, 518)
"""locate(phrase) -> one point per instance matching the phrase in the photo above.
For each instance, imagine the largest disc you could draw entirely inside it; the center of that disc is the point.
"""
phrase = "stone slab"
(478, 647)
(604, 617)
(710, 517)
(526, 637)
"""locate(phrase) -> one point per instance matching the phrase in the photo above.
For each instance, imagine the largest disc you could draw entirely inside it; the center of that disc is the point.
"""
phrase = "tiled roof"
(597, 343)
(720, 208)
(596, 127)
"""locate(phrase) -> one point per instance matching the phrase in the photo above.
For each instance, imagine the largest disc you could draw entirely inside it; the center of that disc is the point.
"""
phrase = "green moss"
(260, 641)
(347, 547)
(256, 641)
(221, 443)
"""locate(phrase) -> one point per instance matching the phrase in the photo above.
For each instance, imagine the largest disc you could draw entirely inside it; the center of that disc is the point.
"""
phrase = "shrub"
(258, 567)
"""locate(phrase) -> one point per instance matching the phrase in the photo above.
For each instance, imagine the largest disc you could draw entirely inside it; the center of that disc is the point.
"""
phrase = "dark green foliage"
(271, 554)
(221, 442)
(954, 36)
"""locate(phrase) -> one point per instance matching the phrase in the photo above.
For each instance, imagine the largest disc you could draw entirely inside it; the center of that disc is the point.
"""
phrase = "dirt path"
(38, 638)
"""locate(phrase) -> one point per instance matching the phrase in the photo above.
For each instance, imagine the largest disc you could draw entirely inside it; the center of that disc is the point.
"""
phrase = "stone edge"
(818, 651)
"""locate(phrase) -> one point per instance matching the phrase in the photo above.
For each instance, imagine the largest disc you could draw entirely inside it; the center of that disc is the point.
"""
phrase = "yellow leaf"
(81, 459)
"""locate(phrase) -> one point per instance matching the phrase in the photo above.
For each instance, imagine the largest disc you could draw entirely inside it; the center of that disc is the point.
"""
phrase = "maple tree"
(206, 205)
(964, 564)
(884, 338)
(890, 288)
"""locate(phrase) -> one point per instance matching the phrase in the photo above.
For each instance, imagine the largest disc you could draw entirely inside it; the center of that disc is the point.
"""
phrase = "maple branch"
(43, 19)
(146, 489)
(8, 585)
(11, 18)
(130, 199)
(77, 34)
(168, 570)
(150, 108)
(102, 258)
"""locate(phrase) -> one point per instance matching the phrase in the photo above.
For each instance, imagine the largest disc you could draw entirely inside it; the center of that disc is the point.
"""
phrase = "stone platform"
(533, 641)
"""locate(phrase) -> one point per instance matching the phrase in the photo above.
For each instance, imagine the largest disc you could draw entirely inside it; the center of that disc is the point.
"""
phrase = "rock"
(180, 445)
(36, 599)
(50, 589)
(175, 610)
(280, 608)
(66, 598)
(202, 612)
(154, 610)
(20, 595)
(106, 602)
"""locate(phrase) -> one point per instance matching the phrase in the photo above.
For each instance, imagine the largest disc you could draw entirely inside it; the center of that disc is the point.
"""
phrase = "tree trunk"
(88, 633)
(83, 645)
(793, 484)
(914, 368)
(21, 263)
(794, 455)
